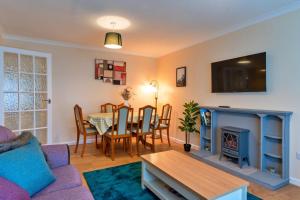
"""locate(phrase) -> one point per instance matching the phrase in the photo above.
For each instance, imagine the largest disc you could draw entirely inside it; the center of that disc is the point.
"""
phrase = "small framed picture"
(181, 77)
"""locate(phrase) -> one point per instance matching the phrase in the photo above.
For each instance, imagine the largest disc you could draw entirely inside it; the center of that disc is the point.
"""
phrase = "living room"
(158, 40)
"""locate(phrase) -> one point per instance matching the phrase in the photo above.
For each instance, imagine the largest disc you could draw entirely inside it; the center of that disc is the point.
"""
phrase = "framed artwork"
(99, 69)
(181, 77)
(110, 71)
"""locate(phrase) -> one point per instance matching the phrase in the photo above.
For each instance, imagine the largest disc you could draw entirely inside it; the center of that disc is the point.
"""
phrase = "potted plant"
(189, 122)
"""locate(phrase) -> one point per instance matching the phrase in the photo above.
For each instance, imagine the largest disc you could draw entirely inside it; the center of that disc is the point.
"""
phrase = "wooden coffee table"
(173, 175)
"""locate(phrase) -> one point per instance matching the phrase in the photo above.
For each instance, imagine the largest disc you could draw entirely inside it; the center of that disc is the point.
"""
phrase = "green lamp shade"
(113, 40)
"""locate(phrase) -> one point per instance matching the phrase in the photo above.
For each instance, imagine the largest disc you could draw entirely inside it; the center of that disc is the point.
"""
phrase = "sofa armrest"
(56, 155)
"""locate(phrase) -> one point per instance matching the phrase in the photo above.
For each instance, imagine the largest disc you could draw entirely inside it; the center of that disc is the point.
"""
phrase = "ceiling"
(158, 27)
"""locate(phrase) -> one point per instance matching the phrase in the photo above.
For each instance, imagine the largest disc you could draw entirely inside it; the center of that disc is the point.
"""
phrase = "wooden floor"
(95, 159)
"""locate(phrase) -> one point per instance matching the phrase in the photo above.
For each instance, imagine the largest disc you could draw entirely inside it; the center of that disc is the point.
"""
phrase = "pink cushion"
(6, 134)
(10, 191)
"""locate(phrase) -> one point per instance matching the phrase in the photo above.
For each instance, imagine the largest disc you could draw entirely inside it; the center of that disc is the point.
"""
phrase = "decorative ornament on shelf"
(126, 94)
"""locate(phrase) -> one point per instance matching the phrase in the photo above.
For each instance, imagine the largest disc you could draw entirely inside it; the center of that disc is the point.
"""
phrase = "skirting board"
(295, 181)
(178, 141)
(88, 141)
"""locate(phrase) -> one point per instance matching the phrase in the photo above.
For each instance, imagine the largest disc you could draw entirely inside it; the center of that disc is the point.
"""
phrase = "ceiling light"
(105, 22)
(113, 40)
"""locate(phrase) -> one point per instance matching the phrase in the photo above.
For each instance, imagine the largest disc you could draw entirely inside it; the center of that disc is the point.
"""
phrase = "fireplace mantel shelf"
(248, 110)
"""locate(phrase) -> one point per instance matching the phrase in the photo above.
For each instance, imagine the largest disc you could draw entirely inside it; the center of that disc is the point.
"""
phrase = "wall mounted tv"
(243, 74)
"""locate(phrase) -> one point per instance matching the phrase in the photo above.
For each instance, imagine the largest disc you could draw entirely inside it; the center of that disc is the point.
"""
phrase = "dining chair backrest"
(120, 105)
(123, 113)
(79, 119)
(145, 117)
(108, 107)
(166, 114)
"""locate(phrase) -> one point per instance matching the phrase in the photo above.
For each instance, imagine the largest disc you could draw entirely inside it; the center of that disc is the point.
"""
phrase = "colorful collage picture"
(110, 71)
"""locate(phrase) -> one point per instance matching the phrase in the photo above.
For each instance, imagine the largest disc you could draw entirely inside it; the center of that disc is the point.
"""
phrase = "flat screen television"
(243, 74)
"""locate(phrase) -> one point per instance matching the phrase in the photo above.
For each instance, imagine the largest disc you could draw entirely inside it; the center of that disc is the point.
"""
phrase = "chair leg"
(144, 140)
(137, 145)
(153, 142)
(112, 144)
(104, 144)
(160, 133)
(97, 147)
(84, 145)
(77, 142)
(168, 137)
(102, 140)
(124, 144)
(130, 146)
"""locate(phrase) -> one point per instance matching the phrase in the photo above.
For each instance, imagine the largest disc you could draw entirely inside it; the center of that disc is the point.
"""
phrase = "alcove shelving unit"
(206, 130)
(272, 138)
(268, 138)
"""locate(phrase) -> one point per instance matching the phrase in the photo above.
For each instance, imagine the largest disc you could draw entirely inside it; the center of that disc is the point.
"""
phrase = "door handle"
(48, 100)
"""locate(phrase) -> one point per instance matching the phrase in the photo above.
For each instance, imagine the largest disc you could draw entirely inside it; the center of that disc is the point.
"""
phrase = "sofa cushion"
(6, 134)
(66, 177)
(26, 167)
(77, 193)
(56, 155)
(10, 191)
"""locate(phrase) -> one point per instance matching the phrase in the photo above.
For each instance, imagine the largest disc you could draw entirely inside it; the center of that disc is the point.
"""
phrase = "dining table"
(103, 121)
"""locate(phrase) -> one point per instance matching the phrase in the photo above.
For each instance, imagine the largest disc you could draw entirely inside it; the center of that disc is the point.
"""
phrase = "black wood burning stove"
(235, 142)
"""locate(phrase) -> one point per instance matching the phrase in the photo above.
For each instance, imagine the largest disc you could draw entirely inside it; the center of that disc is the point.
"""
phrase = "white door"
(25, 92)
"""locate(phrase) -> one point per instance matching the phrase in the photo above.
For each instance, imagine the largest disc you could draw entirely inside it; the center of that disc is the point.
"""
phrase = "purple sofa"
(68, 185)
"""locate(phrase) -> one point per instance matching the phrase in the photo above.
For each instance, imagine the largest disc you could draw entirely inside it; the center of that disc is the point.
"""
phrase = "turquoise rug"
(122, 183)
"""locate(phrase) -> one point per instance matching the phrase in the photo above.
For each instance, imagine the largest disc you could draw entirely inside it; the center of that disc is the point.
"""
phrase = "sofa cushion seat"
(66, 177)
(77, 193)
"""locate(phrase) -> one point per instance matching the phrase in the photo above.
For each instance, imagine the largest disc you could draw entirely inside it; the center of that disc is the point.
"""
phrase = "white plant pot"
(126, 103)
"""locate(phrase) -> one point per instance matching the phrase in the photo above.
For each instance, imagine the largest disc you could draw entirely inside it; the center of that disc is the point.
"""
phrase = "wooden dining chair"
(121, 130)
(83, 128)
(164, 121)
(145, 127)
(108, 107)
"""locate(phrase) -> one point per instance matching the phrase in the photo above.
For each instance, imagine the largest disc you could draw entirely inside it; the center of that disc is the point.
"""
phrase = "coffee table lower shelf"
(161, 190)
(166, 188)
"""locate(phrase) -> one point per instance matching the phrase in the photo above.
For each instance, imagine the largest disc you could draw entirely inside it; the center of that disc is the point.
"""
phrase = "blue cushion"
(26, 167)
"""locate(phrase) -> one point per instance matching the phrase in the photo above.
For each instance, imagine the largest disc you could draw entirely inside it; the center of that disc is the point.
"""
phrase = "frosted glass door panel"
(40, 65)
(26, 64)
(25, 92)
(11, 62)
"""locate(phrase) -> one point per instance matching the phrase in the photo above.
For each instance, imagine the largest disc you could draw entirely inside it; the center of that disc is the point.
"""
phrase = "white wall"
(1, 32)
(73, 83)
(279, 37)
